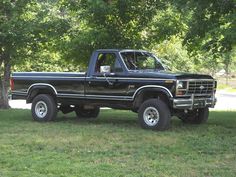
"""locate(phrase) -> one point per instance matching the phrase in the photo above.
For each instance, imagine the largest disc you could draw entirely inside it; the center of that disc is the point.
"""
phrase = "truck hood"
(169, 75)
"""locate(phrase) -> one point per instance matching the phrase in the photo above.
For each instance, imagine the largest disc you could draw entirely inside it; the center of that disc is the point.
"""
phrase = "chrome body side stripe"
(19, 92)
(118, 97)
(152, 86)
(52, 77)
(42, 84)
(109, 97)
(102, 78)
(131, 78)
(97, 97)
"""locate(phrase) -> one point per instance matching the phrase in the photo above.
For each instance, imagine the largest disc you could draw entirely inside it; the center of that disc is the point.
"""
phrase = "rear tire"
(196, 116)
(87, 113)
(154, 114)
(44, 108)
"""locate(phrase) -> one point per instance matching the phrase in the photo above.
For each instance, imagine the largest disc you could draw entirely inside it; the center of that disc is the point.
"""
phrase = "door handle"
(108, 81)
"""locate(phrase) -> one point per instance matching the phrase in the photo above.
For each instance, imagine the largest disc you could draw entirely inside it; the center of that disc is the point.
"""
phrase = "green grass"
(226, 88)
(115, 145)
(231, 87)
(232, 90)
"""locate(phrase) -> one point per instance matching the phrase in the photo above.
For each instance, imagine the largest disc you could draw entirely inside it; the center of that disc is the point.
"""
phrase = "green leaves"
(175, 55)
(186, 31)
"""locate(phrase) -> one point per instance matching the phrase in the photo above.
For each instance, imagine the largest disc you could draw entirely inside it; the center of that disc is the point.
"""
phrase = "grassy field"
(115, 145)
(231, 87)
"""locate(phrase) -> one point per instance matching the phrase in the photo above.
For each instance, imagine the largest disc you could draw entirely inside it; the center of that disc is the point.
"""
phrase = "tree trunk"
(227, 73)
(4, 86)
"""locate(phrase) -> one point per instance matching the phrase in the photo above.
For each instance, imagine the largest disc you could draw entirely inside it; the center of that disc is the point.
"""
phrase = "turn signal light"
(180, 93)
(12, 84)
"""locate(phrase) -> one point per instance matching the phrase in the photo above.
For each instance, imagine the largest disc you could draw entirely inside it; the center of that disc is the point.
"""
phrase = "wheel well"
(36, 91)
(150, 94)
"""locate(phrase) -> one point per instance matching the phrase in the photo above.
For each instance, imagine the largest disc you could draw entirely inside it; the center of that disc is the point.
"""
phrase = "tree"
(174, 55)
(229, 59)
(109, 24)
(26, 26)
(211, 28)
(11, 27)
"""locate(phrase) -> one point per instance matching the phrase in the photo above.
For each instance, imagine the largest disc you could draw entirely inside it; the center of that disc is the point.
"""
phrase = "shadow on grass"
(111, 118)
(116, 118)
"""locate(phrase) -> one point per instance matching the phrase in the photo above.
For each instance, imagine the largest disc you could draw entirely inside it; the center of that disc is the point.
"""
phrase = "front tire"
(154, 114)
(43, 108)
(87, 113)
(196, 116)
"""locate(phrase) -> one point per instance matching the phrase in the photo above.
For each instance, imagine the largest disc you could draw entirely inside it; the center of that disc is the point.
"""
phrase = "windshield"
(141, 61)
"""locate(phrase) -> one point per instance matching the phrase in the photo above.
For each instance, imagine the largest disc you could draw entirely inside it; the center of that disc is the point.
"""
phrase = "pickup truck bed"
(60, 82)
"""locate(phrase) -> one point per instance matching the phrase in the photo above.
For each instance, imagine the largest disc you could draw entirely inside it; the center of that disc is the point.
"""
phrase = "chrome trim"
(153, 86)
(122, 60)
(193, 102)
(196, 80)
(124, 97)
(42, 84)
(60, 77)
(132, 50)
(49, 72)
(108, 97)
(97, 77)
(131, 78)
(18, 92)
(186, 90)
(182, 96)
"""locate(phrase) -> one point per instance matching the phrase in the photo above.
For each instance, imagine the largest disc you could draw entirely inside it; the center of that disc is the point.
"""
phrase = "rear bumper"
(10, 96)
(17, 95)
(192, 103)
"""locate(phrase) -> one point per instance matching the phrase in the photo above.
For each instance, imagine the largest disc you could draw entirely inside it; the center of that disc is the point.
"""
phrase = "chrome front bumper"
(191, 103)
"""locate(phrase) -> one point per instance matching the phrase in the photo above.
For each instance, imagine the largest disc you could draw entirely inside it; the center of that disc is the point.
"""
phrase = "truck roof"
(120, 50)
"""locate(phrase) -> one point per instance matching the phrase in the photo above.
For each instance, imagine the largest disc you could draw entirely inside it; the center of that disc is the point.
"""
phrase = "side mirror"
(167, 68)
(105, 69)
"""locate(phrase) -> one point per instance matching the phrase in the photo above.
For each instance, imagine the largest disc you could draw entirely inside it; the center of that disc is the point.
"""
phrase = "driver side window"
(108, 59)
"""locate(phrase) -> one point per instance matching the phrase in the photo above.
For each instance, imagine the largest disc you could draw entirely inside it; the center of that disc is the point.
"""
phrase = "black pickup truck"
(121, 79)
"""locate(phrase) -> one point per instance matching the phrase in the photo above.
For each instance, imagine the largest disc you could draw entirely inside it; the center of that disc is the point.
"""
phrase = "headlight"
(180, 85)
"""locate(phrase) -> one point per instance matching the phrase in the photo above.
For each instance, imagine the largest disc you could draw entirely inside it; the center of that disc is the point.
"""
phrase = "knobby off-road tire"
(196, 116)
(154, 114)
(44, 108)
(87, 113)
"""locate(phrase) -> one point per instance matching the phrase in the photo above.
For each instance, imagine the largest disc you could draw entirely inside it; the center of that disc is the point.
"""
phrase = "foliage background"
(197, 34)
(190, 36)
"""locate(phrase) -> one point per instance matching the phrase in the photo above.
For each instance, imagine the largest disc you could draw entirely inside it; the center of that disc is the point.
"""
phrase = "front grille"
(200, 87)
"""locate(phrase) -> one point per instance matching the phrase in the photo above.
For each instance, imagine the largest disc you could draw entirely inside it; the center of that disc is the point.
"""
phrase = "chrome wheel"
(41, 109)
(151, 116)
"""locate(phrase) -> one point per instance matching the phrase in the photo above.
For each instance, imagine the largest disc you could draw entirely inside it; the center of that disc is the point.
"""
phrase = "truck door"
(105, 81)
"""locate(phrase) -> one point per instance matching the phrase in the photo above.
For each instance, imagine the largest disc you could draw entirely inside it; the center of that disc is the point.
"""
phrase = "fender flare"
(163, 89)
(39, 86)
(137, 102)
